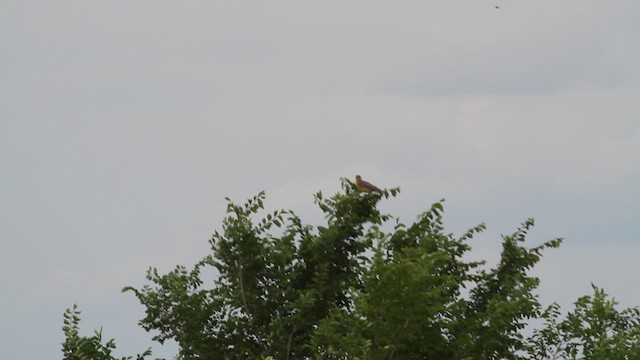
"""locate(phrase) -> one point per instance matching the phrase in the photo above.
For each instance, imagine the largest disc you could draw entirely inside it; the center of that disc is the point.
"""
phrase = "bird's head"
(358, 178)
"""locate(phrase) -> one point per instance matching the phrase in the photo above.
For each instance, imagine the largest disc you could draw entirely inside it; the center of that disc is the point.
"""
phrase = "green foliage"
(593, 330)
(364, 286)
(76, 347)
(412, 303)
(271, 291)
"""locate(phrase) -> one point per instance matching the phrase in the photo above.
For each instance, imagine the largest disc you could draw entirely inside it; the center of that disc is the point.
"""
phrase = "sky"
(125, 124)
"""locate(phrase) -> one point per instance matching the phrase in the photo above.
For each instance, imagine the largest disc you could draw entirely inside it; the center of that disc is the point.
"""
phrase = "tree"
(365, 286)
(593, 330)
(76, 347)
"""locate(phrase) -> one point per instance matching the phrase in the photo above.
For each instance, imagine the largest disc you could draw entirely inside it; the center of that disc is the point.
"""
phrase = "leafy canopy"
(363, 286)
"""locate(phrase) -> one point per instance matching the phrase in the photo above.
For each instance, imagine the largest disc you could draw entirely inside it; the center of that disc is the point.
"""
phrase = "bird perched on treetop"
(365, 185)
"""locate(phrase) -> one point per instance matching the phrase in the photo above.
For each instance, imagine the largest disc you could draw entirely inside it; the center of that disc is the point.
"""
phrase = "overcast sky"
(124, 124)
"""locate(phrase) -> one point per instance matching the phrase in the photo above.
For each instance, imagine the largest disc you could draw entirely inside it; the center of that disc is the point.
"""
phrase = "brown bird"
(365, 185)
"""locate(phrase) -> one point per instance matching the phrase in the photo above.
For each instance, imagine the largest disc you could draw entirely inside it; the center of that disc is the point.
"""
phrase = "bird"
(365, 185)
